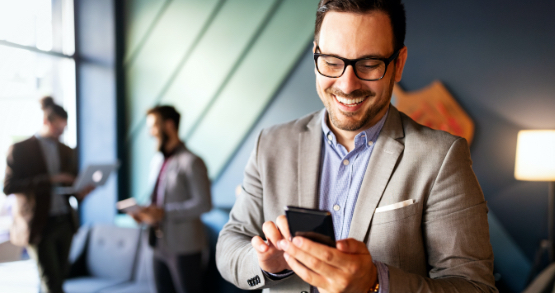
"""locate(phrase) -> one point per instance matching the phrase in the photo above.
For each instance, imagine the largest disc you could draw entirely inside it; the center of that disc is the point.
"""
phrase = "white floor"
(19, 277)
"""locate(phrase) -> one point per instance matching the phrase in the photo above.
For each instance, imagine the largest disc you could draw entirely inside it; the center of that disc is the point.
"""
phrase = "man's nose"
(348, 82)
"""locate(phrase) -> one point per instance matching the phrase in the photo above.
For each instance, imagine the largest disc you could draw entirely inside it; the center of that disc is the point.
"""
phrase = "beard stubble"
(164, 138)
(370, 113)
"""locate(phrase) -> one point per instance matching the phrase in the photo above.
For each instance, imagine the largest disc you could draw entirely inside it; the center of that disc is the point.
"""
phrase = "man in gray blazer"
(408, 212)
(181, 194)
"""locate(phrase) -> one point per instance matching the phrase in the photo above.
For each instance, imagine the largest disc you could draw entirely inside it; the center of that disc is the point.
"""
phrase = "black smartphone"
(316, 225)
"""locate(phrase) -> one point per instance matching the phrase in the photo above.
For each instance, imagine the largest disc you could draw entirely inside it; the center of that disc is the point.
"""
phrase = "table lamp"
(535, 161)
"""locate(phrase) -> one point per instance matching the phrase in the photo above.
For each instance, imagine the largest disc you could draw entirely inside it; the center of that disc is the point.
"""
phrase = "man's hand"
(63, 178)
(150, 215)
(136, 217)
(270, 257)
(349, 268)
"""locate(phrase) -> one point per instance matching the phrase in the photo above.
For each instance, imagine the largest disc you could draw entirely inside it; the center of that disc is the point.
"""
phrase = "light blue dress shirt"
(340, 180)
(341, 177)
(342, 174)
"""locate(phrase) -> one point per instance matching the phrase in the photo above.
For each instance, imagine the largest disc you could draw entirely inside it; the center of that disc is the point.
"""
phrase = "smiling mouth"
(350, 102)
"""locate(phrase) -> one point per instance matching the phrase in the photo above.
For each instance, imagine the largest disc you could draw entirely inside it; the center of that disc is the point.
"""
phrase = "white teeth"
(349, 101)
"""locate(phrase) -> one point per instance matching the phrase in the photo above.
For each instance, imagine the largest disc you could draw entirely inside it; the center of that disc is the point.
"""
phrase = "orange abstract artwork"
(434, 107)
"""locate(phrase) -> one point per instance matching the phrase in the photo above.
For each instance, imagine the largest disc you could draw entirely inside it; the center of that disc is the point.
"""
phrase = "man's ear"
(314, 51)
(400, 63)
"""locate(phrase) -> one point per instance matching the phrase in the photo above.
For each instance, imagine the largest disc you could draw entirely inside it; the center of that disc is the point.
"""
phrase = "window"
(37, 46)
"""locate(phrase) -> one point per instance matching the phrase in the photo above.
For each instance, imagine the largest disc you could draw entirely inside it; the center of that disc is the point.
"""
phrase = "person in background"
(408, 212)
(42, 219)
(180, 195)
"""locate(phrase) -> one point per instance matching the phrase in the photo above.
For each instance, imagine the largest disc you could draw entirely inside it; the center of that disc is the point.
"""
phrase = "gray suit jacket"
(438, 244)
(186, 196)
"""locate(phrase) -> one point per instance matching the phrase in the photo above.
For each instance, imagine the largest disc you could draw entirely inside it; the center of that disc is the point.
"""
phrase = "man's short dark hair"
(166, 113)
(392, 8)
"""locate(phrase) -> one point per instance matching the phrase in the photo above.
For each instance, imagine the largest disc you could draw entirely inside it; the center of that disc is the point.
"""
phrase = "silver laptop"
(95, 175)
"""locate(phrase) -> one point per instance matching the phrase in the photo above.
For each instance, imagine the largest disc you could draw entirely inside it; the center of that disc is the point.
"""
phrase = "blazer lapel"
(171, 171)
(40, 164)
(310, 148)
(67, 164)
(380, 168)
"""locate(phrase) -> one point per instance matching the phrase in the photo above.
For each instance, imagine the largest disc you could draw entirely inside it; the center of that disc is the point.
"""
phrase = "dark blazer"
(27, 177)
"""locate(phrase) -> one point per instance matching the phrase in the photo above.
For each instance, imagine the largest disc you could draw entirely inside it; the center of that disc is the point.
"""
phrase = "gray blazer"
(438, 244)
(186, 196)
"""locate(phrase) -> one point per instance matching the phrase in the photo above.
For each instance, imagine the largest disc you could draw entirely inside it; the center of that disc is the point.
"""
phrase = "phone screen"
(316, 225)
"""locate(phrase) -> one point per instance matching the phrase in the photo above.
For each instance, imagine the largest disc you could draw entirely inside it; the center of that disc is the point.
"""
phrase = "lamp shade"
(535, 155)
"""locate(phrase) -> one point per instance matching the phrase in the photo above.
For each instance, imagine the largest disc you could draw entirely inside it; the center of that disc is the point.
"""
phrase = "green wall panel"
(160, 56)
(154, 62)
(214, 58)
(141, 152)
(141, 18)
(210, 59)
(254, 83)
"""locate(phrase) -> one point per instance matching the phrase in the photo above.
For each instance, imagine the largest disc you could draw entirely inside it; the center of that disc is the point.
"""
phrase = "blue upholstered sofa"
(110, 259)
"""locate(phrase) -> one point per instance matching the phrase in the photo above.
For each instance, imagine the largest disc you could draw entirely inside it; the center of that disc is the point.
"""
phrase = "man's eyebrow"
(371, 56)
(374, 56)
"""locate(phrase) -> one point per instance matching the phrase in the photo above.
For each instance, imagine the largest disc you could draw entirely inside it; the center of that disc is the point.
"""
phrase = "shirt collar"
(44, 138)
(176, 149)
(363, 137)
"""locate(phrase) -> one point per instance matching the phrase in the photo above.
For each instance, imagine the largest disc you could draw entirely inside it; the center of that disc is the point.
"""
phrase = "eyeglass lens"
(369, 69)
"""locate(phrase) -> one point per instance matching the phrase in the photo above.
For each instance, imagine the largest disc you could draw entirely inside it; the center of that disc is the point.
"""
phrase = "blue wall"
(97, 101)
(496, 58)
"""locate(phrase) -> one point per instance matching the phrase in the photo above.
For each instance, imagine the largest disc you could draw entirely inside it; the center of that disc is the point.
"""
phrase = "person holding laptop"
(43, 221)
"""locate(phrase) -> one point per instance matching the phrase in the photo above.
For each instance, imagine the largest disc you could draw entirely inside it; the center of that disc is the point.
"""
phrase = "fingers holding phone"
(317, 258)
(283, 227)
(312, 224)
(316, 225)
(270, 257)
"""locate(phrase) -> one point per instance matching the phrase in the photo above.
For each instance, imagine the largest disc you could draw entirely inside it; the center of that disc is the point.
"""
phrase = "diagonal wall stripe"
(161, 54)
(134, 47)
(254, 83)
(181, 63)
(255, 127)
(221, 57)
(217, 54)
(148, 74)
(234, 68)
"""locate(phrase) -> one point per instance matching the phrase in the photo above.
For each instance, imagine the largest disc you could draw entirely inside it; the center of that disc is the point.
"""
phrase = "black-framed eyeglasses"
(369, 69)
